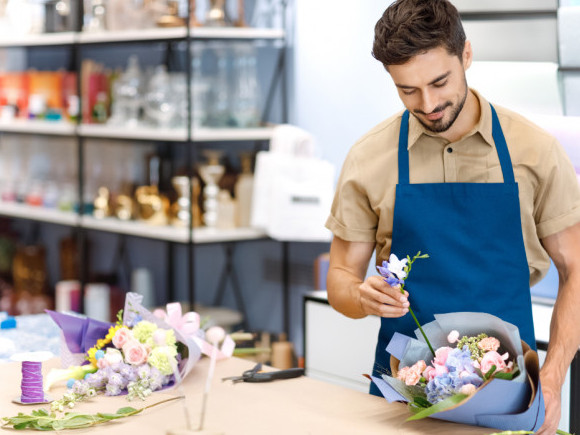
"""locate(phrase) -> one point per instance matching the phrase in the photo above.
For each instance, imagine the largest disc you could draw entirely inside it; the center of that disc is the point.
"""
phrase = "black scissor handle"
(278, 374)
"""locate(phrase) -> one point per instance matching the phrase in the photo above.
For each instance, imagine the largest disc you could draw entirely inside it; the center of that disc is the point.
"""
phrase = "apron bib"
(473, 235)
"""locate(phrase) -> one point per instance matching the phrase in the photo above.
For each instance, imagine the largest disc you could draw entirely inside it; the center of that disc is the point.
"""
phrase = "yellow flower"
(102, 342)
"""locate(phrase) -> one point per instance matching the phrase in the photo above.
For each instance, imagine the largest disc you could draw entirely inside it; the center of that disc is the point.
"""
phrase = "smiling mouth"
(435, 116)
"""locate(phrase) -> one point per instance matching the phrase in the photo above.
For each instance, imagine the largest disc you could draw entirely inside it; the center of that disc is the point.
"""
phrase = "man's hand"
(379, 298)
(553, 402)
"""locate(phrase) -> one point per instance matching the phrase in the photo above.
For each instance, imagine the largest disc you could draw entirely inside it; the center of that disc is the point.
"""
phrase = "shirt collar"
(483, 127)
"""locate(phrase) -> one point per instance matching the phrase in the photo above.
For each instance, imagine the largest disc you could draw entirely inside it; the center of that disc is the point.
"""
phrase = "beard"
(442, 125)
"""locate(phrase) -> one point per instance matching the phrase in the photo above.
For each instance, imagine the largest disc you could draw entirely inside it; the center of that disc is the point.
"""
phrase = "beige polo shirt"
(363, 205)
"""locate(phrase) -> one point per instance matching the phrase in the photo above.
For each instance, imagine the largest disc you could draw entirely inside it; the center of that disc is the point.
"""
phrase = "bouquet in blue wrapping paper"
(464, 367)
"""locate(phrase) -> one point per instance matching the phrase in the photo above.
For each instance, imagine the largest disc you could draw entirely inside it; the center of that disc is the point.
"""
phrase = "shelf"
(176, 134)
(236, 33)
(170, 233)
(139, 132)
(215, 235)
(132, 35)
(41, 214)
(61, 128)
(62, 38)
(135, 228)
(180, 33)
(155, 34)
(231, 134)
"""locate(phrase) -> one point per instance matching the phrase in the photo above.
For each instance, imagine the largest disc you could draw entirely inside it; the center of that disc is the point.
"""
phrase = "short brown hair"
(411, 27)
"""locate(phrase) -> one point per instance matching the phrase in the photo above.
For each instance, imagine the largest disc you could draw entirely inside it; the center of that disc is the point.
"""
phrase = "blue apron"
(473, 235)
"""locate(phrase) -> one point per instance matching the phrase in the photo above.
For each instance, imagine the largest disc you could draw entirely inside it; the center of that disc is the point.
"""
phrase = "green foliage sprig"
(41, 419)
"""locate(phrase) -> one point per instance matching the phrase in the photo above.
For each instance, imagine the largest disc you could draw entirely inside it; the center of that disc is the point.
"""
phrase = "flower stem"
(408, 269)
(420, 328)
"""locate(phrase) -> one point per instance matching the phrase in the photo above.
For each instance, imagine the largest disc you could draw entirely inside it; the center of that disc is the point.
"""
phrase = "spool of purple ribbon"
(31, 386)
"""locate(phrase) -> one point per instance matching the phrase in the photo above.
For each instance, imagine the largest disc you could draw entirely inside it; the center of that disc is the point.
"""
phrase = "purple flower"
(112, 390)
(390, 278)
(129, 372)
(80, 387)
(117, 380)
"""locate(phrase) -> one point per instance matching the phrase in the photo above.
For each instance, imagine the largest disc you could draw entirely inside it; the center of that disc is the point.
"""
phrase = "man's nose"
(428, 103)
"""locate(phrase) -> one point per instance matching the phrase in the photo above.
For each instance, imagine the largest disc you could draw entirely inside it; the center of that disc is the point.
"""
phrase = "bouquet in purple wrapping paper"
(467, 367)
(141, 353)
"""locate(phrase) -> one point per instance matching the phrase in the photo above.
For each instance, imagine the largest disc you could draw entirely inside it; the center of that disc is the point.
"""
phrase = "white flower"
(397, 266)
(468, 389)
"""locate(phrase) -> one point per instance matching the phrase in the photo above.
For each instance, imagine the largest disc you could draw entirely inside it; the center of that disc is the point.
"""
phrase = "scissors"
(255, 375)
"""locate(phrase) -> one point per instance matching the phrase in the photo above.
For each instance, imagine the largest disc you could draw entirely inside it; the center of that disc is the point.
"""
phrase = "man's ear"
(467, 55)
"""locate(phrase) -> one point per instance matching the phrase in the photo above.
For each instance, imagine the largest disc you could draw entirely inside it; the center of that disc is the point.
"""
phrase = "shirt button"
(449, 150)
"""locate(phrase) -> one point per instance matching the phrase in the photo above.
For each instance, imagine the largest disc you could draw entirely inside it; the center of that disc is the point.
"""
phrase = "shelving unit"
(190, 137)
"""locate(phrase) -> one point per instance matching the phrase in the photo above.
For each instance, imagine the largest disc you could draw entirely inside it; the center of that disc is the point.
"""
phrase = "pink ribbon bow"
(189, 324)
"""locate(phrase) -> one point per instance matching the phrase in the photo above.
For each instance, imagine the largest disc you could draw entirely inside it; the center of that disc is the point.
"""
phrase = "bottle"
(245, 100)
(282, 353)
(243, 191)
(199, 86)
(127, 100)
(159, 105)
(218, 96)
(226, 210)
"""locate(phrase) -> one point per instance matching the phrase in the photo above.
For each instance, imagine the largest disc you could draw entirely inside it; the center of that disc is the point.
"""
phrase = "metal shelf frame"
(172, 236)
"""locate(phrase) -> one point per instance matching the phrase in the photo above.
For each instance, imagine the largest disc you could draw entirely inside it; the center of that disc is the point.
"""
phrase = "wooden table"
(294, 406)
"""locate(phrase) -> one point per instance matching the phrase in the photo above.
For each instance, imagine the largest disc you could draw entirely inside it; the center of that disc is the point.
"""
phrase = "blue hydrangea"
(461, 372)
(459, 360)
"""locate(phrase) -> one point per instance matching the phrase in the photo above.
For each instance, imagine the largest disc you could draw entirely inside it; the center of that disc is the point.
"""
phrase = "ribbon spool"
(31, 386)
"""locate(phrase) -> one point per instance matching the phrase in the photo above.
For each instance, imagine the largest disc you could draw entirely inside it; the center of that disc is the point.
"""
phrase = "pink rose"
(121, 337)
(489, 343)
(441, 355)
(135, 353)
(102, 363)
(492, 358)
(429, 373)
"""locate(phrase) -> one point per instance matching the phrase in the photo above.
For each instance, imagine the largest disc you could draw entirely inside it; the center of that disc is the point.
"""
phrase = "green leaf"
(127, 410)
(79, 421)
(421, 402)
(439, 407)
(506, 376)
(489, 373)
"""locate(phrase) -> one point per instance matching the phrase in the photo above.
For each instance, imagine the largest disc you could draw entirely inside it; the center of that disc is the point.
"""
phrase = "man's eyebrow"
(432, 82)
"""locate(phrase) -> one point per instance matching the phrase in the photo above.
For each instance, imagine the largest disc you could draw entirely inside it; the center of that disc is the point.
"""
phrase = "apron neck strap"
(498, 138)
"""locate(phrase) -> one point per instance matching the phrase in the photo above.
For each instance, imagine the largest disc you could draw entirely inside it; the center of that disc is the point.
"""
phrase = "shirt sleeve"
(557, 202)
(351, 216)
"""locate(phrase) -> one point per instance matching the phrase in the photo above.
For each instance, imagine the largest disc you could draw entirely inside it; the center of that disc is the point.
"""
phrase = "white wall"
(339, 90)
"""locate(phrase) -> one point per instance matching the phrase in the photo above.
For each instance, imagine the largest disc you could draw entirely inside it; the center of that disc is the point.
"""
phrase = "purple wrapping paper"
(501, 404)
(80, 333)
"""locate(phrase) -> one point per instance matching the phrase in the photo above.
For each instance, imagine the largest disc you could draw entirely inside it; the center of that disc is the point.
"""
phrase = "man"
(487, 194)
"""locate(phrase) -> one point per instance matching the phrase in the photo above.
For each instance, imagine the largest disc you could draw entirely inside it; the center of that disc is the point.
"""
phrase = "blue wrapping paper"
(501, 404)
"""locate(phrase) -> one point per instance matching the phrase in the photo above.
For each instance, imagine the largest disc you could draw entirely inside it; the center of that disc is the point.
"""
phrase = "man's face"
(433, 87)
